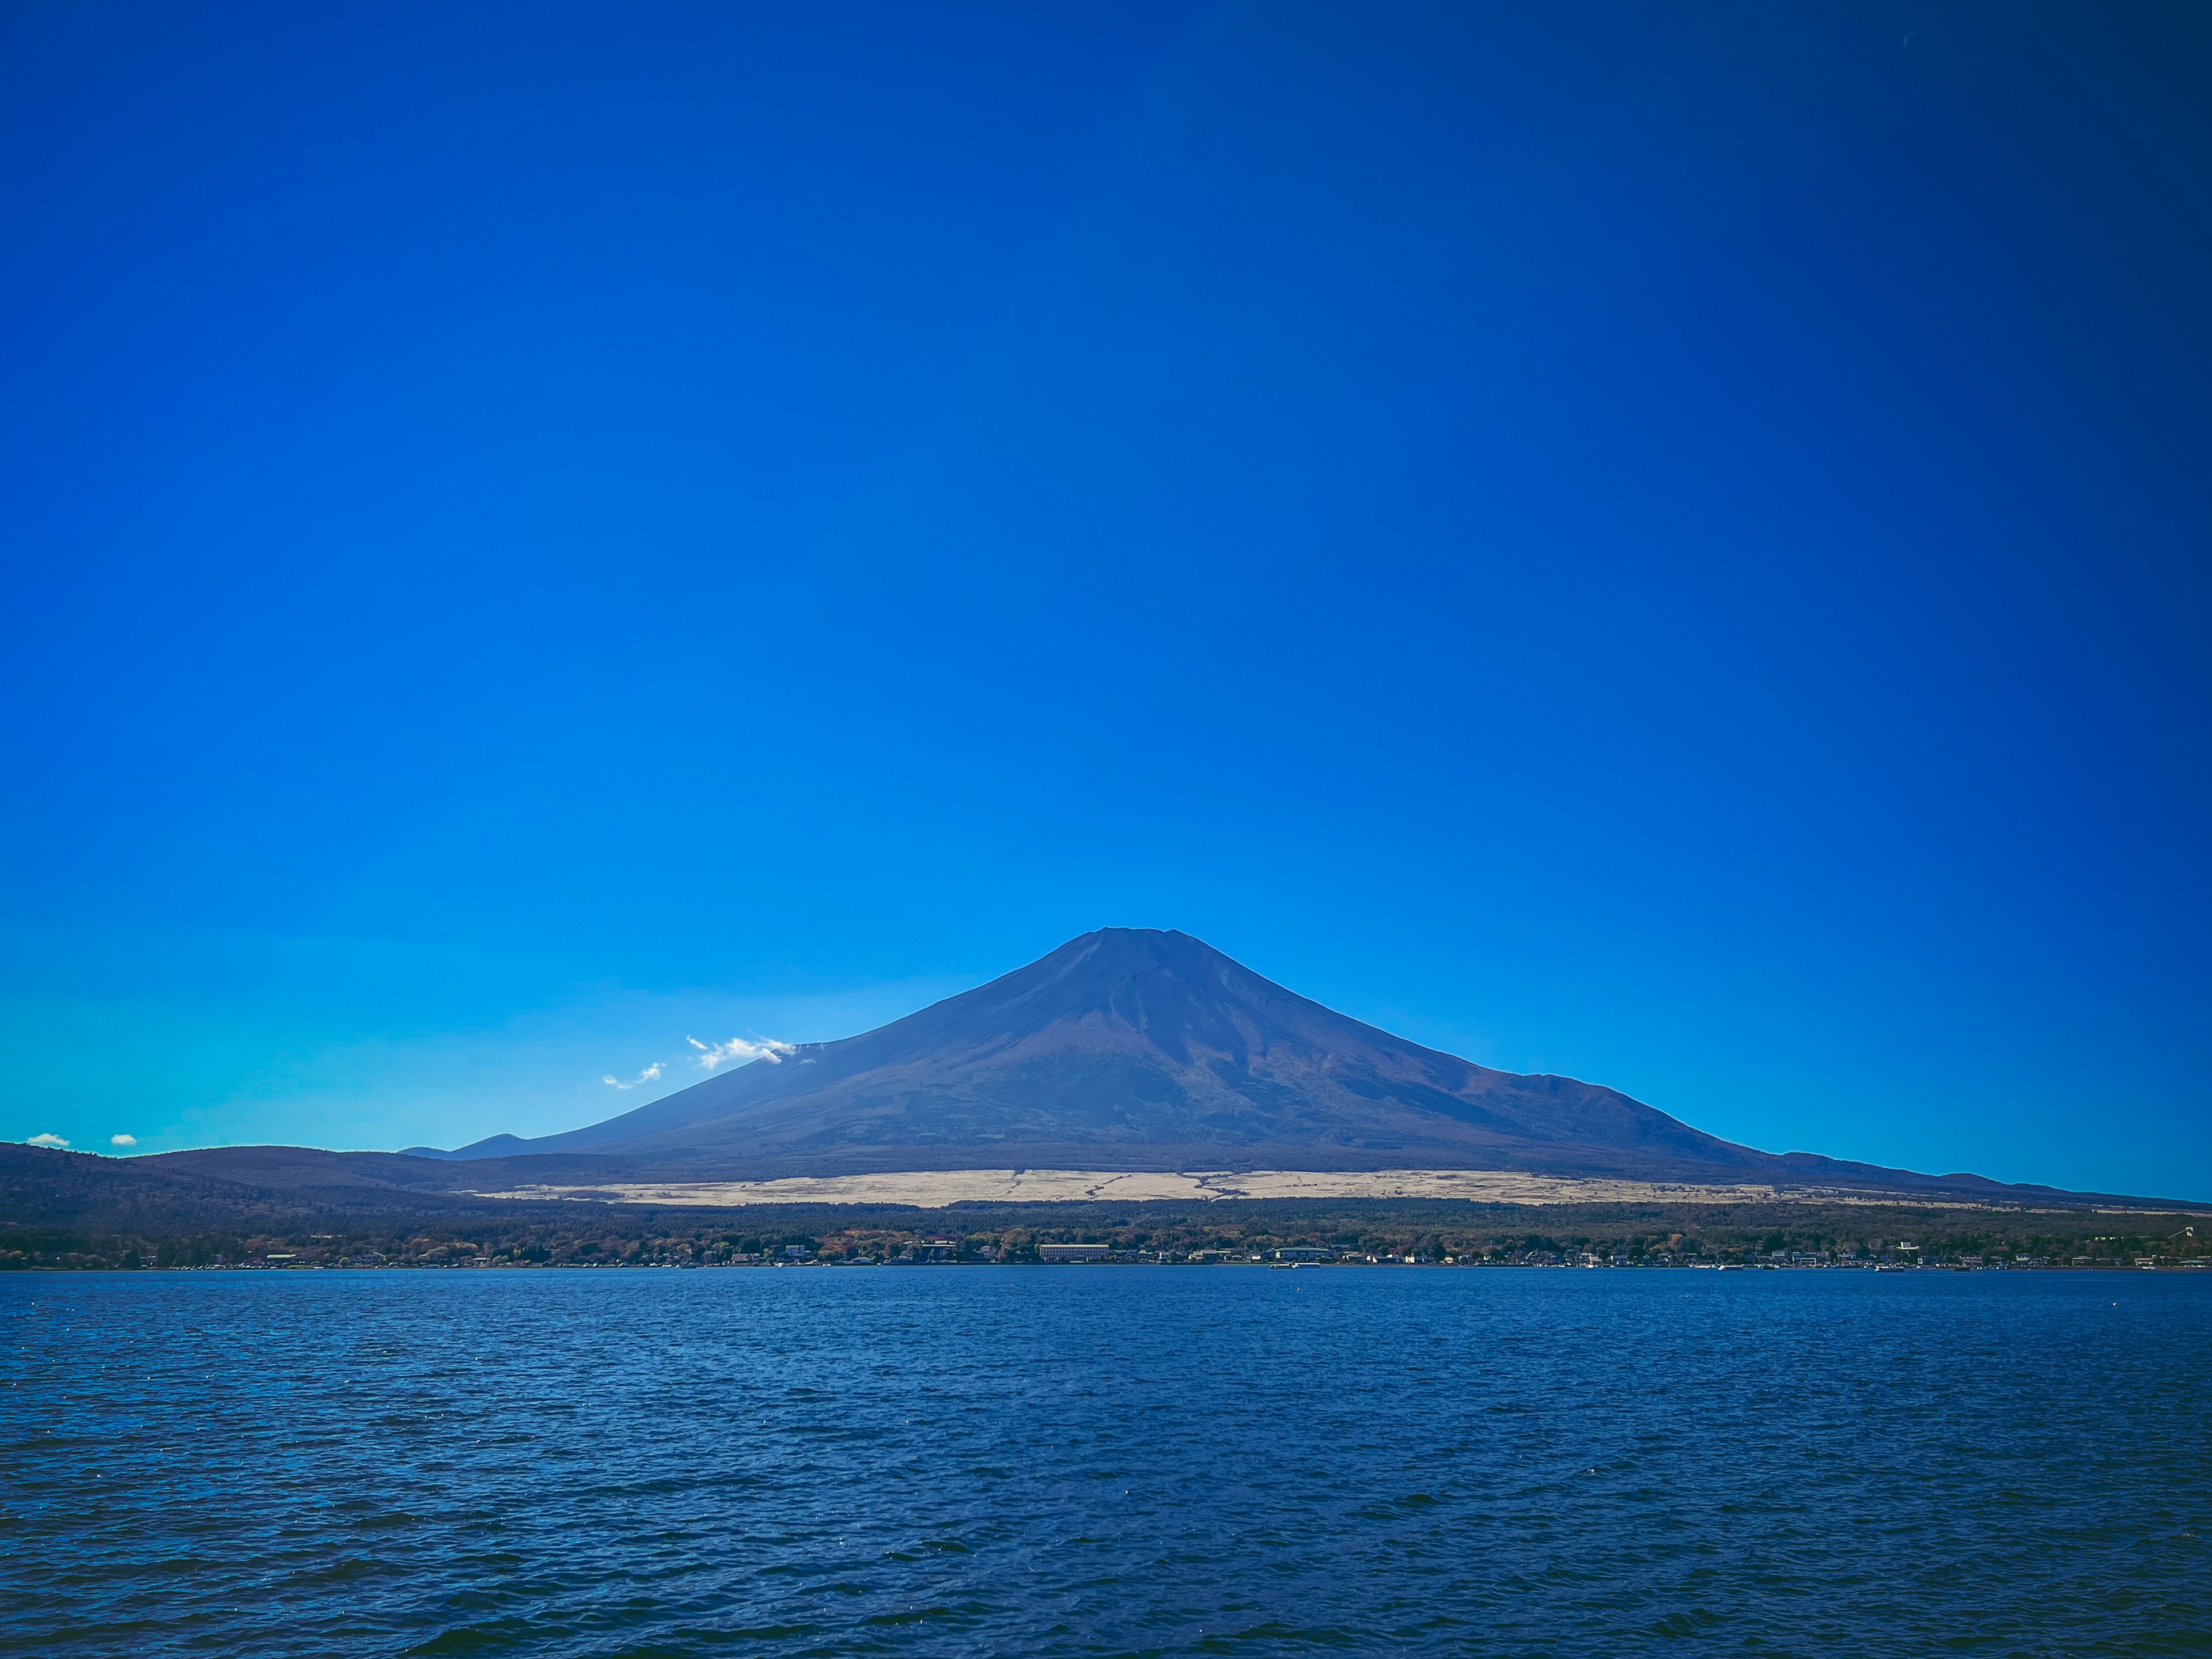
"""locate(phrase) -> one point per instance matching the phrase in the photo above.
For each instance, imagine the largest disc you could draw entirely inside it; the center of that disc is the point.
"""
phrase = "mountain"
(1132, 1048)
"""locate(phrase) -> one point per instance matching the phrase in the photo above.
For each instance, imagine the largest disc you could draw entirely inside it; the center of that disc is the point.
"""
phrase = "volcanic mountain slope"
(1132, 1048)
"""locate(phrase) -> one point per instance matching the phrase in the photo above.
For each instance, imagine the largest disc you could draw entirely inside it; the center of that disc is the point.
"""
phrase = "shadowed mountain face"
(1133, 1048)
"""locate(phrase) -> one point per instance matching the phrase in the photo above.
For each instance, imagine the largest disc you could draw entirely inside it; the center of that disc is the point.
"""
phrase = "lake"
(1096, 1460)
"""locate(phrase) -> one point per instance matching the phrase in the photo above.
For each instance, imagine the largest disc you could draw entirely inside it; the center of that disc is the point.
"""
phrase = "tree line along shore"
(1377, 1231)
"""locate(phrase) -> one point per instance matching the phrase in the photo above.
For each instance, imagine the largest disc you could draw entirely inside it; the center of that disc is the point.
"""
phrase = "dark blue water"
(1117, 1461)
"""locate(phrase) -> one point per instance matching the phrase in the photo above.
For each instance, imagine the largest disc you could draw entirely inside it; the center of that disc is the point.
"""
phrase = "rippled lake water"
(1106, 1460)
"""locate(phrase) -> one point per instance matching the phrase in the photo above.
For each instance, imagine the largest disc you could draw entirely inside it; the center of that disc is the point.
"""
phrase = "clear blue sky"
(1665, 544)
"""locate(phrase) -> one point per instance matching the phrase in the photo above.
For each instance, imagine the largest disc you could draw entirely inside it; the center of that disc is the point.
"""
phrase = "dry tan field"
(935, 1189)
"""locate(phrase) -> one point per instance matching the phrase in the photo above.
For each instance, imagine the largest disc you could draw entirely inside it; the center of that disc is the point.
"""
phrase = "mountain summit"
(1133, 1048)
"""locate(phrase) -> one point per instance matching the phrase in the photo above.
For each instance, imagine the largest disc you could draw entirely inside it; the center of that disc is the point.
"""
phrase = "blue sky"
(1667, 545)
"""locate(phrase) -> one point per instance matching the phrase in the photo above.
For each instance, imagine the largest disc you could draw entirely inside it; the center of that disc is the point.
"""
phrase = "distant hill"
(238, 1189)
(1132, 1048)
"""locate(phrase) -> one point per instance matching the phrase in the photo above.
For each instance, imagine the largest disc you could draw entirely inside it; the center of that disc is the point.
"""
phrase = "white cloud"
(650, 1074)
(123, 1140)
(45, 1140)
(713, 1054)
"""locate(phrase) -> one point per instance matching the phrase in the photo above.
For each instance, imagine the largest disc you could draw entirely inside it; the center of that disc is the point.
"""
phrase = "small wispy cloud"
(712, 1055)
(123, 1140)
(46, 1140)
(650, 1074)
